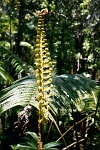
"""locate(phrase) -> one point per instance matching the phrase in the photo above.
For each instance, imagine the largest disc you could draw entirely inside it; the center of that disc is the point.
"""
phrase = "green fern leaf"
(65, 91)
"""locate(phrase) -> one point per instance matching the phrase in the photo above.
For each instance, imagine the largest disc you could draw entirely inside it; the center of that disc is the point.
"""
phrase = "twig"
(73, 144)
(73, 126)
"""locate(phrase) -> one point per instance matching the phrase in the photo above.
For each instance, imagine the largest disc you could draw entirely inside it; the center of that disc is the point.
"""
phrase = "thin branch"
(76, 124)
(73, 144)
(57, 128)
(48, 131)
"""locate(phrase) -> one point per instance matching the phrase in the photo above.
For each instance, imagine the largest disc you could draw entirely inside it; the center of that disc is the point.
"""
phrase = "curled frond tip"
(44, 11)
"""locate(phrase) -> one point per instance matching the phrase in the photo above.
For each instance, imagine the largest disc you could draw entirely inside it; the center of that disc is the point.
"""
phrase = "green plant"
(15, 63)
(31, 143)
(43, 72)
(5, 76)
(42, 90)
(67, 88)
(24, 92)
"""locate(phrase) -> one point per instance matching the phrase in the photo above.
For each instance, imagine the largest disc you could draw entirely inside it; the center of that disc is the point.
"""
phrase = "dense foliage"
(72, 29)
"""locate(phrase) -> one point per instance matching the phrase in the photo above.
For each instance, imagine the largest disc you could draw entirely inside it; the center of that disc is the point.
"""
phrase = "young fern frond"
(43, 68)
(43, 73)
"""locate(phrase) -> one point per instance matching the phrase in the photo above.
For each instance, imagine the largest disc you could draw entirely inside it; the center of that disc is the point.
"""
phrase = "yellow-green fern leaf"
(43, 67)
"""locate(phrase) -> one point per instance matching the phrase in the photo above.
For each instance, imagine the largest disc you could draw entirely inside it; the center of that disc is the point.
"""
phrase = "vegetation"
(49, 75)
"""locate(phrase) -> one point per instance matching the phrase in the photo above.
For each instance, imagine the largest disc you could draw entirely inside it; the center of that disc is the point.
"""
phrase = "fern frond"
(21, 93)
(43, 68)
(70, 89)
(5, 75)
(25, 91)
(13, 59)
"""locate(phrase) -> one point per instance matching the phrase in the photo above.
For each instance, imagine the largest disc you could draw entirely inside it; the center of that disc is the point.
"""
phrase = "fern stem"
(39, 134)
(43, 74)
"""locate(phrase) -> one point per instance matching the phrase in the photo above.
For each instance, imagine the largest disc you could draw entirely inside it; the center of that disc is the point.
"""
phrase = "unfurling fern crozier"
(43, 68)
